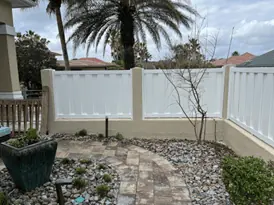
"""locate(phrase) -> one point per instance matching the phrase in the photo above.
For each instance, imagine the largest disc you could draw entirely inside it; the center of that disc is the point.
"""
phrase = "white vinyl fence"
(93, 94)
(251, 101)
(160, 98)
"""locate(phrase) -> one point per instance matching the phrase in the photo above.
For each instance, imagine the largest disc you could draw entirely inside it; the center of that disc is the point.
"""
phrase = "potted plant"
(29, 159)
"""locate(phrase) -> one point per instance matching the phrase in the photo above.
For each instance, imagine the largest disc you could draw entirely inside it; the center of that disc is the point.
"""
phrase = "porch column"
(9, 80)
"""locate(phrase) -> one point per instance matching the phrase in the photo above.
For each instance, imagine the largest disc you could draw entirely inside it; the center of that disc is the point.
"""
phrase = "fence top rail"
(195, 70)
(21, 101)
(253, 69)
(93, 72)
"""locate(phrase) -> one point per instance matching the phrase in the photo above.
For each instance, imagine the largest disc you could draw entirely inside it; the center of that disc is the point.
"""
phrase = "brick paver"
(146, 178)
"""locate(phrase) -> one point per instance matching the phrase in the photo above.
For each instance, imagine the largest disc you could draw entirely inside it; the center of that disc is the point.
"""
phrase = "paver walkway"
(146, 178)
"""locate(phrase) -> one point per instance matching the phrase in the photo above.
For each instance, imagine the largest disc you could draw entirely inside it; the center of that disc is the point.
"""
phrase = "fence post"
(226, 90)
(47, 104)
(137, 93)
(45, 110)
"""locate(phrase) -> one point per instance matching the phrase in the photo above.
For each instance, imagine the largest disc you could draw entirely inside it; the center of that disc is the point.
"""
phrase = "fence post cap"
(137, 68)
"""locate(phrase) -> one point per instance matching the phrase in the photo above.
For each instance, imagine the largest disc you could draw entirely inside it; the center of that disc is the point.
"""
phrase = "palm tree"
(93, 20)
(54, 7)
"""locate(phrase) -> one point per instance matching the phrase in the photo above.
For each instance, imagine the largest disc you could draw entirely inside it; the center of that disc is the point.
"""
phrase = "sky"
(252, 20)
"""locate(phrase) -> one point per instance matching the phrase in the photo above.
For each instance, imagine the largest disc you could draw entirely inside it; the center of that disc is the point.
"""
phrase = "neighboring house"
(87, 64)
(265, 60)
(234, 60)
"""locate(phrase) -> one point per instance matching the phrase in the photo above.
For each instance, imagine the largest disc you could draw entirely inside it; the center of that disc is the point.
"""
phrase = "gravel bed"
(199, 165)
(46, 195)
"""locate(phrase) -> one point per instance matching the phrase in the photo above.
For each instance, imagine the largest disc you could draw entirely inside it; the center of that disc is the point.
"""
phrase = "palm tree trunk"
(127, 35)
(62, 37)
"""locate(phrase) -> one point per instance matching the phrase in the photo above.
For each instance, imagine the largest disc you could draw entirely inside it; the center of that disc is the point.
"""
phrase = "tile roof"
(235, 60)
(86, 63)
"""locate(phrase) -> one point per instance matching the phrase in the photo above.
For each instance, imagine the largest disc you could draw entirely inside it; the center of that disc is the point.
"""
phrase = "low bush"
(101, 166)
(119, 136)
(79, 183)
(101, 136)
(248, 180)
(80, 170)
(3, 199)
(85, 161)
(102, 190)
(82, 133)
(107, 178)
(66, 161)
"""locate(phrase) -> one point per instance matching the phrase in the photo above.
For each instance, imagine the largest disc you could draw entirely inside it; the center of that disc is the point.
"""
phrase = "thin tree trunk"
(62, 37)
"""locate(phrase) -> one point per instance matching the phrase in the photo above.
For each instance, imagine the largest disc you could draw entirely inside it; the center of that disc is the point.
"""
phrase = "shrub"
(3, 199)
(107, 178)
(101, 136)
(82, 133)
(80, 170)
(119, 136)
(102, 190)
(248, 180)
(65, 161)
(85, 161)
(101, 166)
(79, 183)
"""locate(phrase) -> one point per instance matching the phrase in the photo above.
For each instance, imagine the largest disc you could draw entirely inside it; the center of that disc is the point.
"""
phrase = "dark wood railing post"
(45, 110)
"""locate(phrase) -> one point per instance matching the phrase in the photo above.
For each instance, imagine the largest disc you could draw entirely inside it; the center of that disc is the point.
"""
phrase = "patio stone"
(146, 178)
(128, 187)
(126, 199)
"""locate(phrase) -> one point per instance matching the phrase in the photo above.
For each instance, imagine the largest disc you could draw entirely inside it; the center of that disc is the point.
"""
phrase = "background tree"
(32, 56)
(189, 55)
(141, 53)
(235, 53)
(54, 7)
(94, 20)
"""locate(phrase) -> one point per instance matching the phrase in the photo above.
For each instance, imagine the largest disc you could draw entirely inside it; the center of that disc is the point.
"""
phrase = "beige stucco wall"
(8, 68)
(244, 143)
(6, 13)
(235, 137)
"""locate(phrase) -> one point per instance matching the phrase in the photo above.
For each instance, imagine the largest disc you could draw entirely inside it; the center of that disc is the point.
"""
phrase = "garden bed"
(199, 165)
(87, 176)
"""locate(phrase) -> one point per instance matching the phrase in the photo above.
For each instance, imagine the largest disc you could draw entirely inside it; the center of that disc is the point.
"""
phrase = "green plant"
(18, 143)
(80, 170)
(107, 178)
(66, 161)
(248, 180)
(101, 166)
(85, 161)
(101, 136)
(79, 183)
(102, 190)
(82, 133)
(3, 199)
(31, 137)
(119, 136)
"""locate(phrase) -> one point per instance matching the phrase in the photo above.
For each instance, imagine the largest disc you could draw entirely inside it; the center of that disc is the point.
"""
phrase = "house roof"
(235, 60)
(265, 60)
(22, 3)
(86, 63)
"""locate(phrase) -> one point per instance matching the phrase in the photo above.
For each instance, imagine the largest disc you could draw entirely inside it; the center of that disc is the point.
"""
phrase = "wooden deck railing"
(20, 115)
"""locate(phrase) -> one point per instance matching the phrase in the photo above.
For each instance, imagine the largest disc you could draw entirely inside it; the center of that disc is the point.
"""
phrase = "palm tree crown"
(95, 20)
